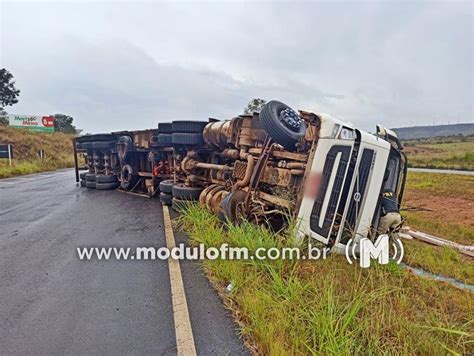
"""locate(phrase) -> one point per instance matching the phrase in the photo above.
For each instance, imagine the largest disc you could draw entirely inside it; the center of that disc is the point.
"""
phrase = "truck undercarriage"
(263, 167)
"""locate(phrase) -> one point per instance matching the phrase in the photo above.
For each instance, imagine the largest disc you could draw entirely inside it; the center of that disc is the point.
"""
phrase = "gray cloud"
(129, 65)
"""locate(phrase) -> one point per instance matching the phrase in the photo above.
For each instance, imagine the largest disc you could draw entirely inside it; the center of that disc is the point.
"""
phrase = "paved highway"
(53, 303)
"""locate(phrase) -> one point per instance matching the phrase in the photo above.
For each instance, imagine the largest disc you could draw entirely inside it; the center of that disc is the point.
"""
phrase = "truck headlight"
(346, 134)
(335, 130)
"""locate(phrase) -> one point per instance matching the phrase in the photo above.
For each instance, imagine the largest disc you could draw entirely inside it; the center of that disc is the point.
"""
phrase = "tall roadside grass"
(329, 306)
(26, 144)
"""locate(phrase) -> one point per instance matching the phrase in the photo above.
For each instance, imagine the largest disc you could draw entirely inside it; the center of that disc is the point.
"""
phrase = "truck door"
(322, 194)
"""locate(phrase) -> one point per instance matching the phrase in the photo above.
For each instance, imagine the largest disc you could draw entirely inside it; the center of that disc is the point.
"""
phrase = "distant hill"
(409, 133)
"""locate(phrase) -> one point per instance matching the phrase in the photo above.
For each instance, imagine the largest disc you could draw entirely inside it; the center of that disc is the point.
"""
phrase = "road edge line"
(182, 322)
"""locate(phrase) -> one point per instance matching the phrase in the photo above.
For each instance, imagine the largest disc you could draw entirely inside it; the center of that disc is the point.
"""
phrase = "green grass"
(445, 261)
(26, 144)
(442, 155)
(441, 227)
(329, 306)
(441, 184)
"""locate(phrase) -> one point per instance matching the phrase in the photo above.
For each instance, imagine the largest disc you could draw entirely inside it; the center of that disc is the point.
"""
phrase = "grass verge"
(329, 306)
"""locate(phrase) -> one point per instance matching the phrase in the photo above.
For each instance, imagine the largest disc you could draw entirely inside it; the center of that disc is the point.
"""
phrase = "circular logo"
(357, 197)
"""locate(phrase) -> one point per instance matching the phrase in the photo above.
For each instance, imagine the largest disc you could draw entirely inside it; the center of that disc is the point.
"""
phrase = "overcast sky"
(128, 65)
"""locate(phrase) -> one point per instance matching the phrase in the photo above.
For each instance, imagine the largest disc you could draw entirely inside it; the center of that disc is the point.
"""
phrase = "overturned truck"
(263, 167)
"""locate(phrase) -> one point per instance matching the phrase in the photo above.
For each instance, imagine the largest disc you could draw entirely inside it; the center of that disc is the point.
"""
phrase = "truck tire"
(189, 126)
(87, 145)
(102, 178)
(124, 146)
(194, 139)
(128, 178)
(83, 175)
(181, 192)
(83, 183)
(103, 137)
(154, 141)
(282, 124)
(165, 127)
(229, 206)
(90, 177)
(166, 199)
(96, 137)
(107, 186)
(165, 139)
(166, 186)
(90, 185)
(103, 145)
(178, 205)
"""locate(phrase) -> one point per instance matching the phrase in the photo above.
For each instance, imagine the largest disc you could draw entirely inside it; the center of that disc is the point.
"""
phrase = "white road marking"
(182, 323)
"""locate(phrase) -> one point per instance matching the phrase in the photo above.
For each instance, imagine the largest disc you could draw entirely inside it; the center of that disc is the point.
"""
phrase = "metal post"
(10, 154)
(76, 165)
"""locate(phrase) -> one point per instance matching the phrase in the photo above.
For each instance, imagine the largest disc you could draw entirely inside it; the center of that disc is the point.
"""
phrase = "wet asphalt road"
(53, 303)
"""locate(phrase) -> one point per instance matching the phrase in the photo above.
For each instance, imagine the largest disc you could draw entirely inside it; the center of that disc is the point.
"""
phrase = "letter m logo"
(379, 250)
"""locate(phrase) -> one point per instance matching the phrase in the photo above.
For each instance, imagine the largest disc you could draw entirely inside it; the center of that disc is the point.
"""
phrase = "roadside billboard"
(32, 122)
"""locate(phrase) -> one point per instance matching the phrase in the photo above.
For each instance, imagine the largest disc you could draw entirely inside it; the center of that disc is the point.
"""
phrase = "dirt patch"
(454, 209)
(418, 150)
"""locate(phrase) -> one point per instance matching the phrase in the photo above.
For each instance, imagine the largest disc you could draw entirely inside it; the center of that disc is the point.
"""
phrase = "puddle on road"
(421, 272)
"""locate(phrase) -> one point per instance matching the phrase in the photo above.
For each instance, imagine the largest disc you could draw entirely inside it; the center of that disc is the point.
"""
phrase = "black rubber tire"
(166, 186)
(128, 178)
(154, 141)
(275, 128)
(178, 205)
(83, 183)
(165, 139)
(181, 192)
(165, 127)
(124, 146)
(83, 175)
(194, 139)
(107, 186)
(104, 137)
(87, 145)
(90, 185)
(101, 178)
(189, 126)
(166, 199)
(228, 208)
(90, 177)
(103, 145)
(85, 138)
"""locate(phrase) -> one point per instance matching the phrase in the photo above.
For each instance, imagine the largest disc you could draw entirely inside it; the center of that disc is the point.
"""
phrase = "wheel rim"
(290, 119)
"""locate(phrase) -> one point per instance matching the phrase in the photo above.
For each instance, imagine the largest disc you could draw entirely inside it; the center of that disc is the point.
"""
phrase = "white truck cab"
(348, 174)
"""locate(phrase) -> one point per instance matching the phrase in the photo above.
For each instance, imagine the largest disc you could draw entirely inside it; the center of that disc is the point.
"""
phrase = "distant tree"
(8, 94)
(255, 105)
(63, 123)
(3, 118)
